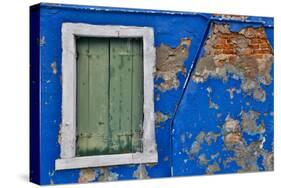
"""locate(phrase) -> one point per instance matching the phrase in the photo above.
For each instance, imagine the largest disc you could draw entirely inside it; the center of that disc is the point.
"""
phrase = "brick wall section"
(257, 47)
(246, 54)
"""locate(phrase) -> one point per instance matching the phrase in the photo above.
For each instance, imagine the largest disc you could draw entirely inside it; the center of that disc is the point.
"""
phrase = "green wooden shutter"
(109, 95)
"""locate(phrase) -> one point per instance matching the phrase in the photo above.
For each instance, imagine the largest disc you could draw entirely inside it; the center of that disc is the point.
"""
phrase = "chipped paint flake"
(106, 175)
(231, 17)
(231, 92)
(213, 168)
(268, 161)
(213, 105)
(41, 41)
(141, 172)
(231, 125)
(202, 159)
(160, 117)
(170, 61)
(87, 175)
(59, 135)
(202, 137)
(54, 68)
(249, 124)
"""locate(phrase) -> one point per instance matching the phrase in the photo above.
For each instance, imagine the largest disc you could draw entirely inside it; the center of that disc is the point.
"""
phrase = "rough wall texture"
(170, 62)
(230, 103)
(219, 121)
(246, 54)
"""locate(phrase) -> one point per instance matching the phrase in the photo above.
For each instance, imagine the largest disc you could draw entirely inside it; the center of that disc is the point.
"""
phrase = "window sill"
(106, 160)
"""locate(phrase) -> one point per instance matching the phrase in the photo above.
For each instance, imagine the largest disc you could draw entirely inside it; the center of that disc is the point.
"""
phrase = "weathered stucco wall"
(230, 103)
(246, 55)
(213, 92)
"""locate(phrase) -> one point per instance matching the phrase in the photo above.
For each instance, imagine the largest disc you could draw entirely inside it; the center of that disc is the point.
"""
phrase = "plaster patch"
(249, 124)
(59, 135)
(141, 172)
(245, 154)
(231, 16)
(231, 92)
(213, 105)
(160, 117)
(202, 137)
(169, 62)
(106, 175)
(212, 168)
(54, 68)
(202, 159)
(87, 175)
(268, 161)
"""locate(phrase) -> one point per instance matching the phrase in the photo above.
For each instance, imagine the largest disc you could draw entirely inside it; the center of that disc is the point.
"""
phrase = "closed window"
(107, 98)
(109, 95)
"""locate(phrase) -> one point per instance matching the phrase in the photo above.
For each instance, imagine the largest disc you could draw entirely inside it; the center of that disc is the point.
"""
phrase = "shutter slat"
(98, 95)
(137, 94)
(82, 96)
(120, 95)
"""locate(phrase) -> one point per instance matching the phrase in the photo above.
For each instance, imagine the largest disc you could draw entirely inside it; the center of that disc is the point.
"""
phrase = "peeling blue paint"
(195, 117)
(187, 105)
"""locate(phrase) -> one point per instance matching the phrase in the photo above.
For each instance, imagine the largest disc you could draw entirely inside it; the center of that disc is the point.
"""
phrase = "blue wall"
(185, 105)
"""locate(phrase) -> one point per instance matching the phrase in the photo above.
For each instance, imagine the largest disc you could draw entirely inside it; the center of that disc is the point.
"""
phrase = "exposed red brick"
(217, 52)
(229, 51)
(264, 45)
(232, 59)
(219, 46)
(221, 41)
(255, 41)
(249, 53)
(262, 51)
(254, 46)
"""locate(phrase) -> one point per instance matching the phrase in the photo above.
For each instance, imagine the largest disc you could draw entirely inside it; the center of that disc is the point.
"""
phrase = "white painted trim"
(68, 127)
(68, 160)
(105, 160)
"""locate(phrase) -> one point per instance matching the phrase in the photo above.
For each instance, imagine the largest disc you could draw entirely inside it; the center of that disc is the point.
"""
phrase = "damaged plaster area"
(202, 138)
(212, 104)
(141, 172)
(245, 55)
(245, 152)
(54, 68)
(106, 175)
(100, 174)
(87, 175)
(160, 117)
(231, 17)
(169, 62)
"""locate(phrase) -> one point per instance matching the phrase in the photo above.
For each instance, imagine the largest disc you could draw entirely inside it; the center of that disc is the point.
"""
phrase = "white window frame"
(68, 158)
